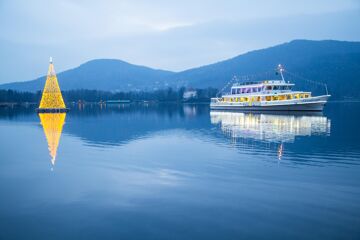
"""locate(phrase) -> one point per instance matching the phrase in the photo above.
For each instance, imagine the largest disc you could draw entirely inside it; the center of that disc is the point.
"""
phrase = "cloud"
(173, 35)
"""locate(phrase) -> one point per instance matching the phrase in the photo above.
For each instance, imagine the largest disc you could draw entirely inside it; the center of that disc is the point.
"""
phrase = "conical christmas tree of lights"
(52, 124)
(51, 96)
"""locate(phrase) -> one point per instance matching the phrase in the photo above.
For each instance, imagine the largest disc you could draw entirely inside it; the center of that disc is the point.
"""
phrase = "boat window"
(233, 91)
(282, 97)
(268, 87)
(276, 88)
(238, 91)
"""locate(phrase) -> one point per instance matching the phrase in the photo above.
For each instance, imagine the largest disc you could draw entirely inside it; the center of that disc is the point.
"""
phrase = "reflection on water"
(280, 150)
(52, 124)
(270, 127)
(150, 171)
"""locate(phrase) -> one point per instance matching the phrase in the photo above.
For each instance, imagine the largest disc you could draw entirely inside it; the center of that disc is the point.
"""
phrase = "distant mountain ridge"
(336, 63)
(101, 74)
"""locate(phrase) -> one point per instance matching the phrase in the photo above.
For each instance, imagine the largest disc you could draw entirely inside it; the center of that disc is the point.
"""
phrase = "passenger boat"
(268, 95)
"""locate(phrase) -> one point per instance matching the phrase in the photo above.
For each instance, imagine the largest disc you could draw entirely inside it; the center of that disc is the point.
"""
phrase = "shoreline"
(26, 104)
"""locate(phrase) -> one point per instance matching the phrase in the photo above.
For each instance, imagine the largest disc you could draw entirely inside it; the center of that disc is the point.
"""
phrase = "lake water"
(179, 172)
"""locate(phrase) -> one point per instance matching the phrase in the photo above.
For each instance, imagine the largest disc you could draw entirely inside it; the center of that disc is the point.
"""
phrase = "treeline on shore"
(83, 95)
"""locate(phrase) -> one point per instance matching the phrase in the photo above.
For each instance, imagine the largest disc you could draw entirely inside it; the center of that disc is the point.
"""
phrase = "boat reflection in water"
(270, 127)
(52, 124)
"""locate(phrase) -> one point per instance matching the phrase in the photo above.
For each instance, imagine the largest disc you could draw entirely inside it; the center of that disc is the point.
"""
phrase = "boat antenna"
(281, 69)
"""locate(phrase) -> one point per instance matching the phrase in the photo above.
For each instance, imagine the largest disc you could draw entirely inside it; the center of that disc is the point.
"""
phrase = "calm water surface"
(179, 172)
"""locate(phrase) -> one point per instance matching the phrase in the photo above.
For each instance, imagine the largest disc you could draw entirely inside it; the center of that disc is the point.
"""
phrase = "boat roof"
(265, 82)
(264, 94)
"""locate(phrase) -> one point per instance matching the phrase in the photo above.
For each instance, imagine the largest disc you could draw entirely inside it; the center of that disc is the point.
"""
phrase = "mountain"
(336, 63)
(102, 74)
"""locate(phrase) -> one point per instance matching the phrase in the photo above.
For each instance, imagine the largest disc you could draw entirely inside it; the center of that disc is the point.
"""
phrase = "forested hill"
(101, 74)
(336, 63)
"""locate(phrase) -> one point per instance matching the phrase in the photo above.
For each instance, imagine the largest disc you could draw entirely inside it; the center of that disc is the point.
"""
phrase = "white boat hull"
(308, 104)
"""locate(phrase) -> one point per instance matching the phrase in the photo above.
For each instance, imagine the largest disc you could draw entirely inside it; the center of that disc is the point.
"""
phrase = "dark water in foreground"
(180, 172)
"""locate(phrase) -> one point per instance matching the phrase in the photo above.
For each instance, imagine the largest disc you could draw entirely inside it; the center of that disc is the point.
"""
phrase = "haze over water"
(179, 172)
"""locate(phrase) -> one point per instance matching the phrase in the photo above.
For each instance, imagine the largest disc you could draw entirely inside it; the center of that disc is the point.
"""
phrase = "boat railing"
(245, 83)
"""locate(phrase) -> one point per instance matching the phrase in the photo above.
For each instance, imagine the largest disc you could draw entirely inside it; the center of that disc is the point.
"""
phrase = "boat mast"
(281, 69)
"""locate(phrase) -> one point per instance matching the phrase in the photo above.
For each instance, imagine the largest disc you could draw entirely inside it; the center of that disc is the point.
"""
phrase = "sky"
(164, 34)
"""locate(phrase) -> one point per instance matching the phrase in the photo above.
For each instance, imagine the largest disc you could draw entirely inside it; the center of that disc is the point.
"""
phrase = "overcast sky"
(171, 35)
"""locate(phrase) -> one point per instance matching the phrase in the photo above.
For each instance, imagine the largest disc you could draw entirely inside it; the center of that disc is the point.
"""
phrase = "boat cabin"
(269, 90)
(265, 87)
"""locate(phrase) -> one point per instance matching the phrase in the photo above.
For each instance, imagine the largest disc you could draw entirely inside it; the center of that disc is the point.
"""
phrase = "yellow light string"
(52, 124)
(51, 96)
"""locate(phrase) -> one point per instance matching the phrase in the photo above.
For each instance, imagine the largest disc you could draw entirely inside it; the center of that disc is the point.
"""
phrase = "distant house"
(189, 93)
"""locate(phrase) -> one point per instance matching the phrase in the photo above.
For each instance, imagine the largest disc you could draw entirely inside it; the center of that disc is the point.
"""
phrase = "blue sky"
(171, 35)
